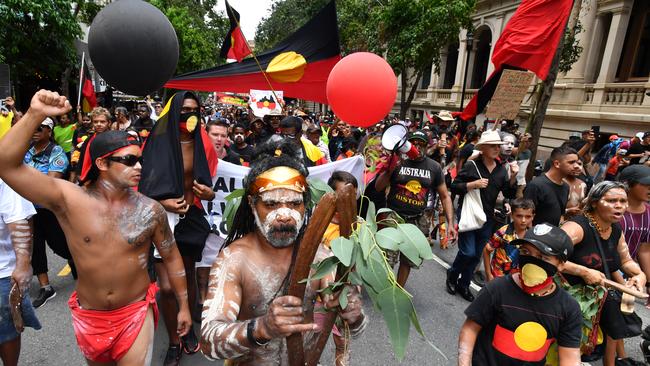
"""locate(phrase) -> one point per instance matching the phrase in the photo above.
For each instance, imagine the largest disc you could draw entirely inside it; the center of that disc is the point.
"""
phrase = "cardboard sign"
(509, 94)
(264, 102)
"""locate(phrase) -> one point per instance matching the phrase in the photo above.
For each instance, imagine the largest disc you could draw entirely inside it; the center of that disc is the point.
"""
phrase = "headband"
(279, 177)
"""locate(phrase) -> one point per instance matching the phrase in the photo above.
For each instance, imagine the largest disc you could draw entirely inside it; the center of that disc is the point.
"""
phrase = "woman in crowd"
(595, 231)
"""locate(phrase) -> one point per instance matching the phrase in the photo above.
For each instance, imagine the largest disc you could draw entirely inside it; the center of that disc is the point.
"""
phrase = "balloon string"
(257, 61)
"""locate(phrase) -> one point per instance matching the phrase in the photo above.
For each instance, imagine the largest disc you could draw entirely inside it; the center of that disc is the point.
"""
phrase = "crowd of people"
(582, 220)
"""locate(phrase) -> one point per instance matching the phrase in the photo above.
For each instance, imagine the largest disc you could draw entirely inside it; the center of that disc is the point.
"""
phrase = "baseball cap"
(613, 137)
(103, 145)
(48, 123)
(419, 135)
(636, 173)
(549, 239)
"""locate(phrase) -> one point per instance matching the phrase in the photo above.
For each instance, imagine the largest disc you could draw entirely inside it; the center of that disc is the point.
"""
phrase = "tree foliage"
(37, 40)
(200, 31)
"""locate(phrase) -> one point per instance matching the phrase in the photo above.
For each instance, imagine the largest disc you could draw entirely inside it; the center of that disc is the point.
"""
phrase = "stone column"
(614, 45)
(460, 69)
(498, 28)
(585, 39)
(440, 77)
(591, 53)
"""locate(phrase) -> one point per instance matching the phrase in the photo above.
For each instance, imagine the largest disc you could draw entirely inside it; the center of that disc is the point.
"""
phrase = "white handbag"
(472, 216)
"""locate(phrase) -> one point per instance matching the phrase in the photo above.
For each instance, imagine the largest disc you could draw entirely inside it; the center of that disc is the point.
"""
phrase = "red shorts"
(107, 335)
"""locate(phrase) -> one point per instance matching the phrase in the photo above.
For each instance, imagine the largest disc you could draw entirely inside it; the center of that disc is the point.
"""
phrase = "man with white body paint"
(109, 228)
(246, 317)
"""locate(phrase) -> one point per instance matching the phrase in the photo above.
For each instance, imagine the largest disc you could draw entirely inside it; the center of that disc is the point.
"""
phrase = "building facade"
(608, 86)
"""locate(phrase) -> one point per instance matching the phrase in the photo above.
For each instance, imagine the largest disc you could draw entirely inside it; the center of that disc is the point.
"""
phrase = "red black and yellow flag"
(528, 342)
(235, 46)
(299, 65)
(88, 98)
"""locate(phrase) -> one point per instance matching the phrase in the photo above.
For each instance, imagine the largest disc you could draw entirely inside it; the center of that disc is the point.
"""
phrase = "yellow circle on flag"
(530, 336)
(287, 67)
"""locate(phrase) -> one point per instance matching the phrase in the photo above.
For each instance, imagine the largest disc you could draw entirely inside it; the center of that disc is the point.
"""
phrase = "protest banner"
(231, 100)
(230, 177)
(509, 94)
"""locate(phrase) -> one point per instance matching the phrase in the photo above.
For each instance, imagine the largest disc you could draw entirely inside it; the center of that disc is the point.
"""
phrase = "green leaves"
(389, 238)
(393, 302)
(342, 249)
(233, 200)
(317, 188)
(374, 271)
(413, 237)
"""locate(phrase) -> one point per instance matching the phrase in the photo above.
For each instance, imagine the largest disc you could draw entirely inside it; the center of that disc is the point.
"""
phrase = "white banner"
(264, 102)
(230, 177)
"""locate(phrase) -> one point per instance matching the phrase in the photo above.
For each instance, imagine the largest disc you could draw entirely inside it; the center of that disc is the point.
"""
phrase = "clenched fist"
(47, 103)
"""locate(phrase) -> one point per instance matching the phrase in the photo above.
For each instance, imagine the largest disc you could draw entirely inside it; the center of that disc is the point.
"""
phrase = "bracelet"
(251, 338)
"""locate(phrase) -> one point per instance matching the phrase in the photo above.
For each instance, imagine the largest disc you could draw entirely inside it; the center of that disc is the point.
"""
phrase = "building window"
(635, 59)
(450, 68)
(481, 58)
(426, 78)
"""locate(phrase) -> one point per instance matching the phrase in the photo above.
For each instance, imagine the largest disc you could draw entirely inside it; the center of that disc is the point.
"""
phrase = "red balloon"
(361, 89)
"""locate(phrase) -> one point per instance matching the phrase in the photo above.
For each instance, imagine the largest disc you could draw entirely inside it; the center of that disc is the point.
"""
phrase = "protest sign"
(264, 102)
(231, 100)
(509, 94)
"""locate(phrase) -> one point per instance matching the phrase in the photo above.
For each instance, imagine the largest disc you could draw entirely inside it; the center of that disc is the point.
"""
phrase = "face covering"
(536, 274)
(188, 121)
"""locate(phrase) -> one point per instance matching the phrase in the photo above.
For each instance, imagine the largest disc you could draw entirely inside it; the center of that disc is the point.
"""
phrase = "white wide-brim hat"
(490, 137)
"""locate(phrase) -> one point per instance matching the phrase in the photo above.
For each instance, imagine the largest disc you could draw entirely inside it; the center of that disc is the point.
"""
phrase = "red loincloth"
(107, 335)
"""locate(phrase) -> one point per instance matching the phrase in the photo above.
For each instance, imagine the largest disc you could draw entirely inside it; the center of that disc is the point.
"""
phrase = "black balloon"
(133, 46)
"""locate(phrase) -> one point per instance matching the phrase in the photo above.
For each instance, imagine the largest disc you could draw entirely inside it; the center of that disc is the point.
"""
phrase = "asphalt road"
(441, 316)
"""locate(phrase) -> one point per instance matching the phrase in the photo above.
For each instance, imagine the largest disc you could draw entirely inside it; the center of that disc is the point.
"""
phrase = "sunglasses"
(39, 129)
(128, 160)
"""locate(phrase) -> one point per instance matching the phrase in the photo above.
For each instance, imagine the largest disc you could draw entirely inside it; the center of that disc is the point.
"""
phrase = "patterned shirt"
(504, 255)
(636, 228)
(56, 162)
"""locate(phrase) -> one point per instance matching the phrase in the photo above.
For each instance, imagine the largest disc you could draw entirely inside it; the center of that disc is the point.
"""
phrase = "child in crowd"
(499, 255)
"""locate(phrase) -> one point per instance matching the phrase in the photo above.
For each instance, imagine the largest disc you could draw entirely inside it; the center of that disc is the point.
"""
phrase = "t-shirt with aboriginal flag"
(518, 329)
(411, 184)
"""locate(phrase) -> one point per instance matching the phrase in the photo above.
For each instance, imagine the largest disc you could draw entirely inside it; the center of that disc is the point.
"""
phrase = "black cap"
(419, 135)
(549, 239)
(636, 173)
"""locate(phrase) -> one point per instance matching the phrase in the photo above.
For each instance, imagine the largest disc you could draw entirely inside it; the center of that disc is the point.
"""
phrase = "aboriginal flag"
(528, 342)
(162, 158)
(528, 42)
(235, 46)
(299, 65)
(88, 98)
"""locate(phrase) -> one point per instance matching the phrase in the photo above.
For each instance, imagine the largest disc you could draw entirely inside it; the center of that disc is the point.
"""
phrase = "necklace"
(594, 224)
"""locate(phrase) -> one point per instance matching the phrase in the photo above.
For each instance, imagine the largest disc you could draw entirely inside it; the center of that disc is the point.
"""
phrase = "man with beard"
(144, 123)
(109, 228)
(246, 315)
(549, 192)
(179, 162)
(413, 184)
(240, 146)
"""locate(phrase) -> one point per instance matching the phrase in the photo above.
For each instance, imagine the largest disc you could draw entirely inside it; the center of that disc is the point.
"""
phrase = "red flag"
(235, 46)
(531, 37)
(89, 100)
(429, 117)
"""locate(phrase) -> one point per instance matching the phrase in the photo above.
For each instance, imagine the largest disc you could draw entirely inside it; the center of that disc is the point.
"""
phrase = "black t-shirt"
(550, 199)
(411, 184)
(246, 153)
(518, 329)
(637, 148)
(466, 151)
(586, 252)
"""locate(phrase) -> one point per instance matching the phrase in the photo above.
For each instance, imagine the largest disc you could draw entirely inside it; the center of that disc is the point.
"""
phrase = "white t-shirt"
(12, 208)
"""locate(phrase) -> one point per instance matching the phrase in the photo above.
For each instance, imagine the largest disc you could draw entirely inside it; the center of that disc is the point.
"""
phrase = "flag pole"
(81, 76)
(257, 61)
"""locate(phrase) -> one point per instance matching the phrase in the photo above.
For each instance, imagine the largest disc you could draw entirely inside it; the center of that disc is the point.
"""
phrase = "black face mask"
(535, 273)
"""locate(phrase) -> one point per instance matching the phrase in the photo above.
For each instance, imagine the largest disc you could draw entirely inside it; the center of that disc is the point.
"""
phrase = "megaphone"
(395, 138)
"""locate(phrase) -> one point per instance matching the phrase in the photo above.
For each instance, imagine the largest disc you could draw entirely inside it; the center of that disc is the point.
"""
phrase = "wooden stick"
(346, 205)
(318, 223)
(623, 288)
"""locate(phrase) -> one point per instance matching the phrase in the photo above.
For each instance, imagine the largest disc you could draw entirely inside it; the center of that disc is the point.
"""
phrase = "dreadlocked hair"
(271, 154)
